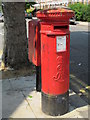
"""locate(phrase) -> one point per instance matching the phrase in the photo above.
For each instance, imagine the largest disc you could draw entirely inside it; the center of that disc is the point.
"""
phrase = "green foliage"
(82, 11)
(28, 5)
(30, 96)
(88, 12)
(29, 10)
(0, 6)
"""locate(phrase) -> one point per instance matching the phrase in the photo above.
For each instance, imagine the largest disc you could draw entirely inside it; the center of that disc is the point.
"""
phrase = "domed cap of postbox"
(60, 14)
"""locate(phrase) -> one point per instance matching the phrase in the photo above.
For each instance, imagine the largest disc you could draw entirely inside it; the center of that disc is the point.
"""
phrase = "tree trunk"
(15, 41)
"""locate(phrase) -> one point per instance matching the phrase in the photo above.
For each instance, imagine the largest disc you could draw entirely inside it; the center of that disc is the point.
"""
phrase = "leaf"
(30, 96)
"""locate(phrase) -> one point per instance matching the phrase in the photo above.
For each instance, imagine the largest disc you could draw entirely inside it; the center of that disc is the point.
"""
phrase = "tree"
(15, 41)
(0, 6)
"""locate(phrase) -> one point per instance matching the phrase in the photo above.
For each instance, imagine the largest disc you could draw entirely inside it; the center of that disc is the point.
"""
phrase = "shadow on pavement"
(15, 93)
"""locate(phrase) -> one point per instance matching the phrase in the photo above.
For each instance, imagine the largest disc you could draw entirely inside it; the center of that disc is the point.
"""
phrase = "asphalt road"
(79, 52)
(79, 60)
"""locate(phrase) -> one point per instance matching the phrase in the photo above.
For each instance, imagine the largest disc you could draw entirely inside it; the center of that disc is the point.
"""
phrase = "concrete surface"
(0, 98)
(83, 23)
(20, 100)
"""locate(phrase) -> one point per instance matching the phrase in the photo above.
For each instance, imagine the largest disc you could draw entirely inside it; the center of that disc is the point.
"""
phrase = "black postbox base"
(55, 105)
(38, 78)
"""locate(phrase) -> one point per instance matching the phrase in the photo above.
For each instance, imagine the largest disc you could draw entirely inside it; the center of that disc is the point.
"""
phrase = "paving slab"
(14, 105)
(22, 83)
(0, 99)
(23, 111)
(20, 100)
(6, 85)
(82, 111)
(35, 103)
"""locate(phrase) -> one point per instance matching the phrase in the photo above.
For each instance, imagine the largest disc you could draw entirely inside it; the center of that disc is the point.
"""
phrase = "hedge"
(82, 11)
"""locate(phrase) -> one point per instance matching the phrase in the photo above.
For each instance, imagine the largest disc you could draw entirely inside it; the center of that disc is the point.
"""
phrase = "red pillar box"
(34, 49)
(55, 54)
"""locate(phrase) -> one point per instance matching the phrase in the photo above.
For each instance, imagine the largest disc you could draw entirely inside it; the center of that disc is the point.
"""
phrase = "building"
(57, 3)
(63, 1)
(81, 1)
(52, 3)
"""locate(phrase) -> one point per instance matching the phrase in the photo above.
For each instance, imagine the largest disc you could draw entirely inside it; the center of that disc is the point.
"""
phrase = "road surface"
(79, 59)
(79, 52)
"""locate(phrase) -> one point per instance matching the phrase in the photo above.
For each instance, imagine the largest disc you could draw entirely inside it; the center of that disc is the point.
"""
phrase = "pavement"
(83, 23)
(20, 100)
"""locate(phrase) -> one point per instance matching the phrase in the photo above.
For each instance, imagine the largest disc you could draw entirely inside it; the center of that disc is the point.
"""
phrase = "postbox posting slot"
(60, 27)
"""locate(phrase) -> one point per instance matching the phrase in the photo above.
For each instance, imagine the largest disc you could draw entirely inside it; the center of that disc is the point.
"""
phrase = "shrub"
(82, 11)
(77, 8)
(29, 10)
(88, 12)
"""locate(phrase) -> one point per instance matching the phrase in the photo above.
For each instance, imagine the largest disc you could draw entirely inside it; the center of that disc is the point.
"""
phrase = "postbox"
(34, 49)
(55, 55)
